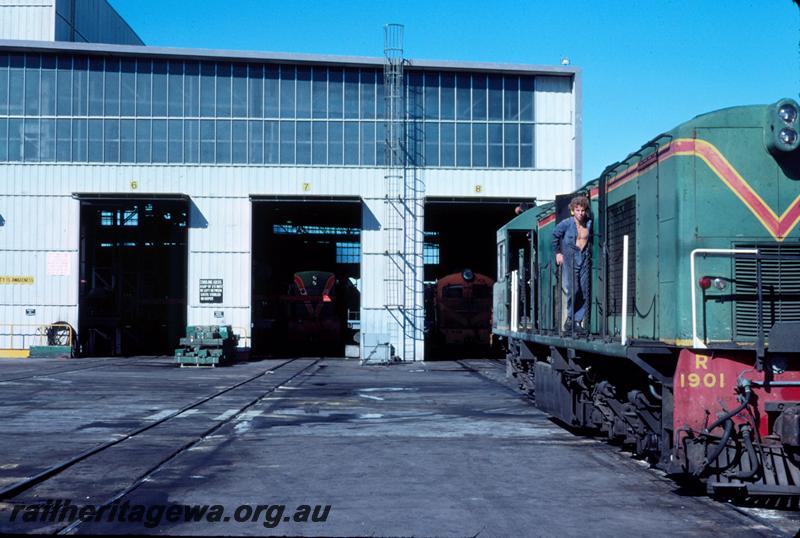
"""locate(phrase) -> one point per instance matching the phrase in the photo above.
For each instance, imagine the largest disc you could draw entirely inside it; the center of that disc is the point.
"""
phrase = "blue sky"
(647, 65)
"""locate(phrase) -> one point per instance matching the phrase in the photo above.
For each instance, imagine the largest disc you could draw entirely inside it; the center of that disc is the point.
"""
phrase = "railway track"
(104, 363)
(235, 400)
(496, 366)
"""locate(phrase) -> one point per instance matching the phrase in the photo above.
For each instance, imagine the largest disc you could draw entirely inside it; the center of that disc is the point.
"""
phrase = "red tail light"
(704, 282)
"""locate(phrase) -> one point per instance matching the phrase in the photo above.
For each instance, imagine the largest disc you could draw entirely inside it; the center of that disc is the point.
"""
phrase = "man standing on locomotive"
(572, 249)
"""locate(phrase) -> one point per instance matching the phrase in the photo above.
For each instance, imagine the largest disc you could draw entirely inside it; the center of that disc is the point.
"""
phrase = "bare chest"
(583, 236)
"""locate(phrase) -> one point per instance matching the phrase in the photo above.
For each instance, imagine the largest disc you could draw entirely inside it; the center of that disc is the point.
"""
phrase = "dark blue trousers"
(577, 269)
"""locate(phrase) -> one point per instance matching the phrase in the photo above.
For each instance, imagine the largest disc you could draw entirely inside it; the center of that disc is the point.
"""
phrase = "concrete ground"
(430, 449)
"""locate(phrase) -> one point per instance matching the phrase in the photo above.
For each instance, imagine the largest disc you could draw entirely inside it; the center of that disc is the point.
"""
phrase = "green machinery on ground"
(207, 345)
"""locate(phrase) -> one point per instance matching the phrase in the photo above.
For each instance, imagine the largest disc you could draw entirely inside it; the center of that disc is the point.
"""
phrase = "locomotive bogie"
(587, 392)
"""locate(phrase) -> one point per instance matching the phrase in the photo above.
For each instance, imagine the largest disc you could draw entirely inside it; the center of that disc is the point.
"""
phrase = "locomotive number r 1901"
(707, 379)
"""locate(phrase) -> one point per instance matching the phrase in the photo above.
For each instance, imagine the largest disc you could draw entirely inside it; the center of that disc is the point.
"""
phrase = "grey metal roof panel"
(489, 66)
(277, 57)
(93, 196)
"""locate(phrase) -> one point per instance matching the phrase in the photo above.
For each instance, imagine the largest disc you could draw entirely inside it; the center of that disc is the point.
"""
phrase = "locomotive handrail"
(559, 303)
(243, 337)
(18, 337)
(696, 342)
(514, 299)
(624, 331)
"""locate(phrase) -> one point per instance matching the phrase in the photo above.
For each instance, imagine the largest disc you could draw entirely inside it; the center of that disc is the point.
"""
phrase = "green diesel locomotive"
(690, 351)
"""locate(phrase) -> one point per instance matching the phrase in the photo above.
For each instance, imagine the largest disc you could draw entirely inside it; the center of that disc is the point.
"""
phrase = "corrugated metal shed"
(39, 218)
(27, 19)
(91, 21)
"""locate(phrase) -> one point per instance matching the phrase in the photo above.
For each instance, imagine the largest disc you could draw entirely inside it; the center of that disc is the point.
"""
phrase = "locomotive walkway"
(138, 446)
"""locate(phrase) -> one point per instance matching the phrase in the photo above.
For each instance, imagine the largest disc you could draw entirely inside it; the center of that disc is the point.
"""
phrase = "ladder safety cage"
(403, 238)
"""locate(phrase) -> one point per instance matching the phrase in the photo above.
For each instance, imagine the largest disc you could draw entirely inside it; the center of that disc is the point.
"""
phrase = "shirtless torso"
(583, 236)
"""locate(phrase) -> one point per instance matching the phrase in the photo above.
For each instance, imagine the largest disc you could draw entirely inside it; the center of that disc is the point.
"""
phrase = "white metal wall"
(542, 184)
(374, 322)
(38, 241)
(219, 248)
(556, 127)
(27, 19)
(94, 21)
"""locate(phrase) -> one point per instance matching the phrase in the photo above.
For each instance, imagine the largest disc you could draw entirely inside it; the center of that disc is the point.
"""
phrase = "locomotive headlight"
(788, 136)
(787, 113)
(781, 132)
(467, 275)
(720, 283)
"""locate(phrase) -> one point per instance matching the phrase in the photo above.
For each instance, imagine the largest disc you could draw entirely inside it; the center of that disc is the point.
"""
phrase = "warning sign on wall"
(210, 290)
(16, 280)
(58, 264)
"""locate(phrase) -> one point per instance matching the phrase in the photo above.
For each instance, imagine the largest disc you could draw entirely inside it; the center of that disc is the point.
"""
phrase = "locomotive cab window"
(453, 292)
(501, 260)
(519, 249)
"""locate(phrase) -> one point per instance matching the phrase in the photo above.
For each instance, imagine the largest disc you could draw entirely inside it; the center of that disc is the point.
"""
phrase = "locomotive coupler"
(718, 449)
(745, 431)
(746, 390)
